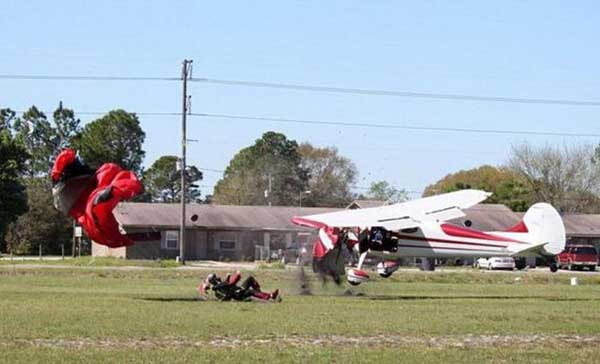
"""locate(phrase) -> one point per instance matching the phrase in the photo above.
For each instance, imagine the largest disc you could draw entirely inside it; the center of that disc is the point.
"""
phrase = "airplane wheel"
(553, 268)
(352, 283)
(385, 275)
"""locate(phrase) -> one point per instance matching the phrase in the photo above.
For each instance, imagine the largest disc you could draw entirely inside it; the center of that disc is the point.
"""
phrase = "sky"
(520, 49)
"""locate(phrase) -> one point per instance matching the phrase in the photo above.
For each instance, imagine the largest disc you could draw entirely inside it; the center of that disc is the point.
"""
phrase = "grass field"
(152, 315)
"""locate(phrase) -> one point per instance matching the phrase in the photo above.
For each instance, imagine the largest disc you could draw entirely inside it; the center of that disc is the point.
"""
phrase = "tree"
(116, 137)
(12, 164)
(162, 181)
(331, 176)
(382, 190)
(41, 225)
(34, 131)
(508, 187)
(7, 117)
(43, 139)
(273, 161)
(567, 177)
(66, 127)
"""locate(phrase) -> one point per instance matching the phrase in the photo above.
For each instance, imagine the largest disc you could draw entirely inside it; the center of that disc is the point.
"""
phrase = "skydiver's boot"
(275, 295)
(267, 296)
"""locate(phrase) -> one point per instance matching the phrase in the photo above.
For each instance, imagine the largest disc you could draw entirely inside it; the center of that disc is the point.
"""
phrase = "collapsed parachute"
(89, 196)
(328, 257)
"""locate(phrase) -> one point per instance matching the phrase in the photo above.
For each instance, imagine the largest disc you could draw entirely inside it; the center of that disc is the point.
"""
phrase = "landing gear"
(356, 275)
(386, 268)
(552, 263)
(520, 263)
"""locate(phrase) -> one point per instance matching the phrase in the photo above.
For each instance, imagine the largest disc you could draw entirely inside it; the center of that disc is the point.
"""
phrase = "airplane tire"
(553, 268)
(385, 275)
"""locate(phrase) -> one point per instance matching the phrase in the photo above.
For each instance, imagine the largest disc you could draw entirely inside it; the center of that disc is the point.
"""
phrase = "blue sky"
(533, 49)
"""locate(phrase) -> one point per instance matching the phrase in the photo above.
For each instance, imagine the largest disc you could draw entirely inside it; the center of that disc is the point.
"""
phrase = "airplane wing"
(399, 216)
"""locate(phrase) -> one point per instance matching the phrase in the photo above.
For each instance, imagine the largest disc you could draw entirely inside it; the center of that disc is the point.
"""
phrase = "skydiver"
(227, 289)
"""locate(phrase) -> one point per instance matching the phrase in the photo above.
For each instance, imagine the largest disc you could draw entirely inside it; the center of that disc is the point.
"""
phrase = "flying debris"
(89, 196)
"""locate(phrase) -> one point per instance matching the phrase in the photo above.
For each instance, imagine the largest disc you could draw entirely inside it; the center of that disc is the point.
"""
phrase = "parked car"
(578, 257)
(495, 263)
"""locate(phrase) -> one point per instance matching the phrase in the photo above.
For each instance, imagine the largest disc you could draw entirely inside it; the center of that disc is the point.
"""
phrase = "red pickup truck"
(578, 257)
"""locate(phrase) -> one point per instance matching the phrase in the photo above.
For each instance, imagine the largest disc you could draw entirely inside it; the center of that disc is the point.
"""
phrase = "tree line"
(567, 176)
(30, 142)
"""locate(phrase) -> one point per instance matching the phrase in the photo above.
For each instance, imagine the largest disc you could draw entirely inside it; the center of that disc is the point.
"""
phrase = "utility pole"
(185, 72)
(308, 192)
(270, 185)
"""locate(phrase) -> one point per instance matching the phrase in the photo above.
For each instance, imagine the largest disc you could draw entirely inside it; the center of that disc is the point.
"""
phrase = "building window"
(171, 240)
(227, 245)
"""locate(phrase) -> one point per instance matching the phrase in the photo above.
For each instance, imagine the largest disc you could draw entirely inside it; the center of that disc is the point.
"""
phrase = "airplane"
(420, 228)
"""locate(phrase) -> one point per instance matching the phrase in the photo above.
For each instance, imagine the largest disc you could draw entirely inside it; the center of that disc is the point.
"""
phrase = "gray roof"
(158, 215)
(364, 204)
(165, 216)
(489, 217)
(582, 225)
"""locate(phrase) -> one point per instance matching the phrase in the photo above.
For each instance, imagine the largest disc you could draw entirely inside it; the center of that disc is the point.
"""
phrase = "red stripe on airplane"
(519, 228)
(462, 232)
(308, 222)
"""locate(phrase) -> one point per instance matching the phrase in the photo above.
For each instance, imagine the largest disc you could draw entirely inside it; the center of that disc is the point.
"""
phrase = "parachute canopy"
(89, 196)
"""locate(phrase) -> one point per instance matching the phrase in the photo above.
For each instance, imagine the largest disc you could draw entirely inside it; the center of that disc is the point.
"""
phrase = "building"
(242, 232)
(583, 229)
(219, 233)
(365, 204)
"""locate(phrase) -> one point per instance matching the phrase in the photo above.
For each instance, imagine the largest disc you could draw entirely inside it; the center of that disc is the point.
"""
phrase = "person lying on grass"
(227, 289)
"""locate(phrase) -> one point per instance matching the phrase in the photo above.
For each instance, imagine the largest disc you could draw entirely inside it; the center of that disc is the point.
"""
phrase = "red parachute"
(90, 196)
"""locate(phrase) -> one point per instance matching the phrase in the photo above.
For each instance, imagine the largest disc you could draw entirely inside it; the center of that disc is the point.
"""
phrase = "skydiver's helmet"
(212, 279)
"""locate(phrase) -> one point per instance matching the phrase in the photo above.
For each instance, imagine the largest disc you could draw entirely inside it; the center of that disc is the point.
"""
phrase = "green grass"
(275, 265)
(88, 261)
(158, 305)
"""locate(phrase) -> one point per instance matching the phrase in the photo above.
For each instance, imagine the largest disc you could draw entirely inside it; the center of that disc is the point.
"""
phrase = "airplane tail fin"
(546, 229)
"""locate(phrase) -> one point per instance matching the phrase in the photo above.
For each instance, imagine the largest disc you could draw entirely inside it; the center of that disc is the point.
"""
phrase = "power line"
(396, 126)
(356, 124)
(288, 86)
(87, 78)
(411, 192)
(149, 113)
(376, 92)
(212, 170)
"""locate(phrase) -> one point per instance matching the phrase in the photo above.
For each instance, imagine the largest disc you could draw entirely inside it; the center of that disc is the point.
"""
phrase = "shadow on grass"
(171, 299)
(492, 298)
